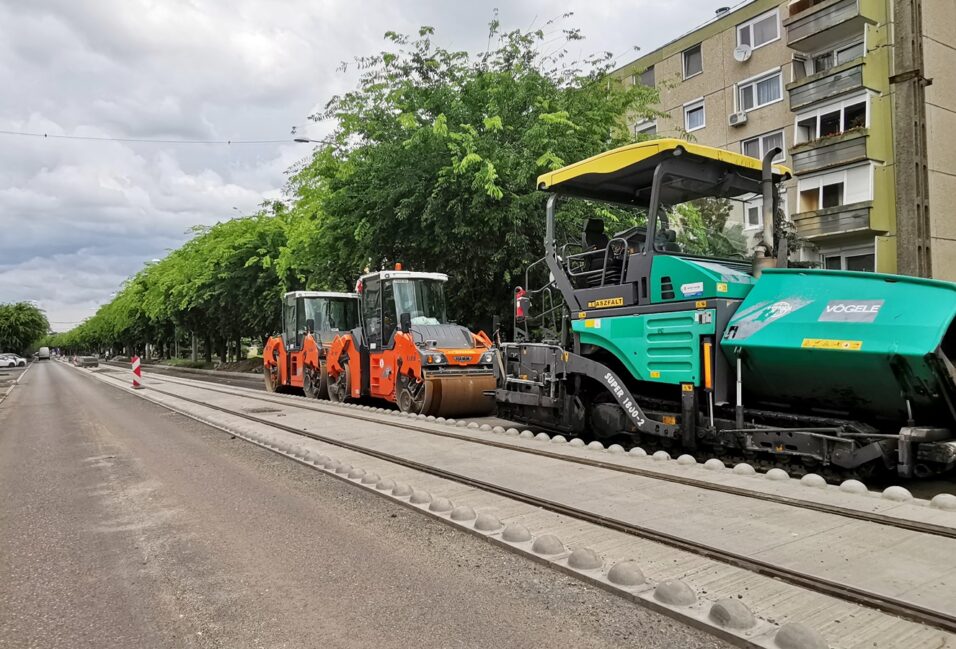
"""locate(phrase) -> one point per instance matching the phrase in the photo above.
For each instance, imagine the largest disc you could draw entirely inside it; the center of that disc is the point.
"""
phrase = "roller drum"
(460, 395)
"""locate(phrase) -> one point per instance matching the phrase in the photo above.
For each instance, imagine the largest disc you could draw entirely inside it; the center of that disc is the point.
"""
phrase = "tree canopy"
(21, 325)
(432, 161)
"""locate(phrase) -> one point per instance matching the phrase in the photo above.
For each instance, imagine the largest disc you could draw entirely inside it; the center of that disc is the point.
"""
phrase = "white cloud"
(77, 217)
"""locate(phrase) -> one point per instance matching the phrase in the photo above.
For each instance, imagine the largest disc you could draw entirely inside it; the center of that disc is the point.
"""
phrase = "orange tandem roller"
(310, 322)
(407, 352)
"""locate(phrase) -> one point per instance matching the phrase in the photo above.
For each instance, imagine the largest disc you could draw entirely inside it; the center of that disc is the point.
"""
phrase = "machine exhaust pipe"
(763, 256)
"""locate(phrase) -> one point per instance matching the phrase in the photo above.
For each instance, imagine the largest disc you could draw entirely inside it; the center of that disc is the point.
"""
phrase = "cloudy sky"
(79, 216)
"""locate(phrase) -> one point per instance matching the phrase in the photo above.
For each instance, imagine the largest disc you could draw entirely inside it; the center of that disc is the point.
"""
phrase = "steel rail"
(887, 604)
(836, 510)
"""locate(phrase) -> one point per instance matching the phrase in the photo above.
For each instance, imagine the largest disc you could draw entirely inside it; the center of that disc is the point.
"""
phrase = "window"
(647, 77)
(865, 262)
(753, 212)
(854, 116)
(822, 62)
(833, 57)
(693, 62)
(835, 188)
(832, 119)
(389, 325)
(372, 313)
(760, 91)
(422, 299)
(645, 127)
(288, 321)
(694, 115)
(810, 199)
(757, 147)
(859, 258)
(831, 195)
(754, 217)
(759, 31)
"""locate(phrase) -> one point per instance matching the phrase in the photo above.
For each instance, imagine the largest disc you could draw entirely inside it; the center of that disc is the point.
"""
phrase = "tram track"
(392, 420)
(847, 592)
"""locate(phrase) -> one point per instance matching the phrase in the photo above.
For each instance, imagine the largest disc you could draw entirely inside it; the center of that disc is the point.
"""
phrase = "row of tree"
(432, 162)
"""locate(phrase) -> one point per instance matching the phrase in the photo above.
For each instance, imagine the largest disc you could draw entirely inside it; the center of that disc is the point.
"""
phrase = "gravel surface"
(125, 525)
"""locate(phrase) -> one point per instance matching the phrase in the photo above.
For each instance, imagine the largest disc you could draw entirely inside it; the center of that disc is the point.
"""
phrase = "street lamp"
(306, 140)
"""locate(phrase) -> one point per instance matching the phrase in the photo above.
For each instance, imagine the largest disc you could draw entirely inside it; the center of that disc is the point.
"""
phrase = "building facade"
(821, 80)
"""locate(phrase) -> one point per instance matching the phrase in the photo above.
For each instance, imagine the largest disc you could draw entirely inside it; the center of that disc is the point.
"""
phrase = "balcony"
(813, 25)
(836, 81)
(830, 151)
(831, 221)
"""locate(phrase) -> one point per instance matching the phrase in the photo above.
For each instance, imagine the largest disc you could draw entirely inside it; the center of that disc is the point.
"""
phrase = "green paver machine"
(654, 336)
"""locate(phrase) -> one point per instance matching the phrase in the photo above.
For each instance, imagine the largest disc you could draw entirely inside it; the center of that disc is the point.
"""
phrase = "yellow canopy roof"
(630, 164)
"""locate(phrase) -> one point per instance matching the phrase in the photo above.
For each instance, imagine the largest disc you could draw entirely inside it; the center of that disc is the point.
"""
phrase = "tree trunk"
(207, 350)
(238, 348)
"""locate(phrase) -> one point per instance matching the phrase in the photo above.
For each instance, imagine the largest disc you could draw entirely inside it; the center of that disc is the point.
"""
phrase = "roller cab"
(406, 351)
(295, 359)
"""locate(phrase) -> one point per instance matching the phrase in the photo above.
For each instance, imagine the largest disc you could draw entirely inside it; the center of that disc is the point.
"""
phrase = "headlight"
(434, 359)
(487, 358)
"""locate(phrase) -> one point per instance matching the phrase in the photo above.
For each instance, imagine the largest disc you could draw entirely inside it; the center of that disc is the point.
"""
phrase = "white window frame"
(833, 50)
(692, 105)
(753, 81)
(749, 25)
(807, 66)
(643, 125)
(763, 150)
(683, 61)
(855, 250)
(806, 180)
(839, 105)
(758, 203)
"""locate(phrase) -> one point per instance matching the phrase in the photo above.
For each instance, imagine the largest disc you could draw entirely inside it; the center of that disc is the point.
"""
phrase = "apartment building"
(822, 80)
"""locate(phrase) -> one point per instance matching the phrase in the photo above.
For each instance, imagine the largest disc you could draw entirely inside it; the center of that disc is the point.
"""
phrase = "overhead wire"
(99, 138)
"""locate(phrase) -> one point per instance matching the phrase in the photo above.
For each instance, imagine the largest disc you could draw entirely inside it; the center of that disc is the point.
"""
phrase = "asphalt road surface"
(125, 525)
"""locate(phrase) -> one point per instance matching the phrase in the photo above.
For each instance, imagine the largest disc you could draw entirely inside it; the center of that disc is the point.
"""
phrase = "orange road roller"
(311, 320)
(407, 352)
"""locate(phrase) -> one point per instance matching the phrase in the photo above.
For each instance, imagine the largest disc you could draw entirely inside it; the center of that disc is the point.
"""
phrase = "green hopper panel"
(659, 347)
(847, 343)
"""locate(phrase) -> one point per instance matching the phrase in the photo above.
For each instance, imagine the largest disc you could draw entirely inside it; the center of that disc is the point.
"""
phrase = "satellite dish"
(742, 53)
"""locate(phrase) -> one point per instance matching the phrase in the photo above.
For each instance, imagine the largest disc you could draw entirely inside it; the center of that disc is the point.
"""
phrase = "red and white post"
(137, 373)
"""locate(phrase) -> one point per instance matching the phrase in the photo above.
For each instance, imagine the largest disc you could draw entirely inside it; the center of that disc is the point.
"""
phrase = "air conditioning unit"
(737, 119)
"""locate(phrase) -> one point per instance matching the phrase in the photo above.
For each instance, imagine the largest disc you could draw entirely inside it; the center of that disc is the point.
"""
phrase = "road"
(125, 525)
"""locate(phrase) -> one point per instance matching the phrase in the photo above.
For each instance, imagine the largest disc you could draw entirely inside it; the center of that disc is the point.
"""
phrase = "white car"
(12, 360)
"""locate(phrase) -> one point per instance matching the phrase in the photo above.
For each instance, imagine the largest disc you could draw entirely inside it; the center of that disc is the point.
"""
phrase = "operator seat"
(594, 237)
(594, 240)
(668, 242)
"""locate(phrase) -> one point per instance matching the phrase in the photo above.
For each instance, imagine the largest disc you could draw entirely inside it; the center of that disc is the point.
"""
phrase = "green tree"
(434, 158)
(21, 325)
